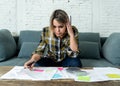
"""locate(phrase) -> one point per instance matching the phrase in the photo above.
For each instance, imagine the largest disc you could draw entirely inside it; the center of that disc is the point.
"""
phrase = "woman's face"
(59, 29)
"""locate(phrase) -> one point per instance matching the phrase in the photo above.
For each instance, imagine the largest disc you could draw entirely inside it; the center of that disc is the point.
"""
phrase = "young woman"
(61, 41)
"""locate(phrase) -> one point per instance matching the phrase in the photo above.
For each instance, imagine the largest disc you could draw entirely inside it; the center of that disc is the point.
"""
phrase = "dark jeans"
(67, 62)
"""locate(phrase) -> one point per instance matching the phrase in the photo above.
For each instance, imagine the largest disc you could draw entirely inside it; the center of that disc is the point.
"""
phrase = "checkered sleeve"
(71, 53)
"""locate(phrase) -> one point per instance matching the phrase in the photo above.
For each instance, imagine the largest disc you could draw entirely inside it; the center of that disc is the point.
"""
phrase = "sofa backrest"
(89, 43)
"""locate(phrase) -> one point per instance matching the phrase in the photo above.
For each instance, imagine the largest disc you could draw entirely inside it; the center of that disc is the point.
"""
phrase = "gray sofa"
(96, 51)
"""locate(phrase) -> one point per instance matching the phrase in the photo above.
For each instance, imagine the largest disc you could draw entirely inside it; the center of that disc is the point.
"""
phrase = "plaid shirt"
(57, 49)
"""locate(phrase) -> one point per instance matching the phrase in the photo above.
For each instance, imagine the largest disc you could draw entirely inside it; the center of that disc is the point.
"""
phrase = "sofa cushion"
(89, 50)
(111, 48)
(89, 45)
(15, 61)
(28, 36)
(27, 48)
(90, 37)
(7, 45)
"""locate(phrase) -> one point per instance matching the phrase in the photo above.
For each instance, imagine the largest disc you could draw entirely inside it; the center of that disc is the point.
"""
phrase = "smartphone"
(70, 19)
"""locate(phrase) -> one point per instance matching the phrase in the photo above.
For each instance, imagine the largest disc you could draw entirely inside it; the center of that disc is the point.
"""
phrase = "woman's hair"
(60, 15)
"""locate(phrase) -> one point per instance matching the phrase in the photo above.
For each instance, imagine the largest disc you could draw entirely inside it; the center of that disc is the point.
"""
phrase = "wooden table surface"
(4, 69)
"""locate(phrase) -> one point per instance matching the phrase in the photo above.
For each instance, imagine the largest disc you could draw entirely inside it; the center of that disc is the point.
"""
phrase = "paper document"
(98, 74)
(109, 73)
(41, 73)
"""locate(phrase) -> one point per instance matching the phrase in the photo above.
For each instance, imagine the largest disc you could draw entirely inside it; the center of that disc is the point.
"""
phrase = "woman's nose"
(58, 29)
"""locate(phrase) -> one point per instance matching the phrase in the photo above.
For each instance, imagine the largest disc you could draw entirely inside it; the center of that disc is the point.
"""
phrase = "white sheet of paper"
(103, 71)
(42, 73)
(98, 74)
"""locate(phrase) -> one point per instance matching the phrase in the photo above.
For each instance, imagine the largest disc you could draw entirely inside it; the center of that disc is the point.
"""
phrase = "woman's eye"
(54, 26)
(60, 26)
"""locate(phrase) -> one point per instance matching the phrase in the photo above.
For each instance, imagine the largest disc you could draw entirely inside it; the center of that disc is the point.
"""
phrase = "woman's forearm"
(35, 57)
(73, 43)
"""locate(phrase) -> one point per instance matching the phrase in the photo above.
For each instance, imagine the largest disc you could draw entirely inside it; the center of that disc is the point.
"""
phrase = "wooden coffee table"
(4, 69)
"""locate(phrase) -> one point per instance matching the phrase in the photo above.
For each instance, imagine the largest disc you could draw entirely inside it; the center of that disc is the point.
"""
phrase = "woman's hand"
(29, 64)
(73, 42)
(69, 29)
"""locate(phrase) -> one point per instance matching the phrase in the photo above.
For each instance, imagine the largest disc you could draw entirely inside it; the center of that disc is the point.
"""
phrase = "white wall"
(101, 16)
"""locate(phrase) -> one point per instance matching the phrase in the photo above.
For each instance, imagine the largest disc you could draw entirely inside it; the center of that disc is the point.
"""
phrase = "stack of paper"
(47, 73)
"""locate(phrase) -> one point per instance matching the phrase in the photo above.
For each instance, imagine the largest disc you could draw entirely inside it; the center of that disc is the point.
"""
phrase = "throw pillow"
(7, 45)
(89, 50)
(27, 48)
(111, 48)
(28, 36)
(90, 37)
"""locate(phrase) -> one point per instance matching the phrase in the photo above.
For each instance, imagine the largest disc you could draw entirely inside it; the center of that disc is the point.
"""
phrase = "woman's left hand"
(69, 29)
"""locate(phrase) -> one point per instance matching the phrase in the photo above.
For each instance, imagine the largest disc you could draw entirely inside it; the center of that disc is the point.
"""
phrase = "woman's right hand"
(29, 64)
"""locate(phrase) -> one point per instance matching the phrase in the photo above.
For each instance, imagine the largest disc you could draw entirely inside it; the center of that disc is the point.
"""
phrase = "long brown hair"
(61, 16)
